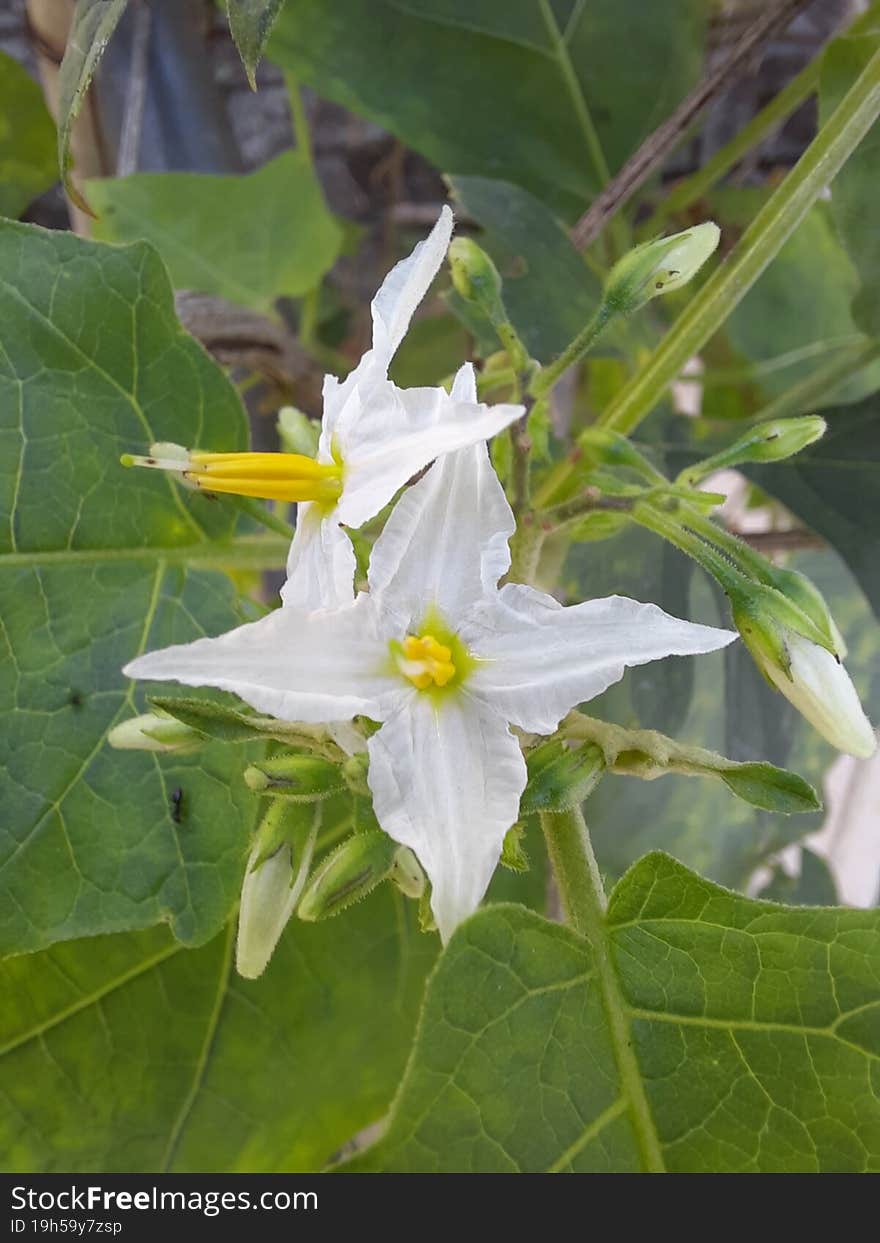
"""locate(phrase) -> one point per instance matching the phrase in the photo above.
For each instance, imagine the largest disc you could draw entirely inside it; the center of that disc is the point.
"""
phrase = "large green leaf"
(91, 30)
(250, 22)
(131, 1053)
(854, 199)
(549, 292)
(798, 313)
(249, 239)
(93, 569)
(27, 139)
(510, 92)
(705, 1032)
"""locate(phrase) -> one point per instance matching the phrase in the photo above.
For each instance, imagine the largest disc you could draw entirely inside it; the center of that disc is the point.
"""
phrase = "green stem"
(761, 242)
(525, 551)
(670, 529)
(583, 899)
(585, 340)
(299, 121)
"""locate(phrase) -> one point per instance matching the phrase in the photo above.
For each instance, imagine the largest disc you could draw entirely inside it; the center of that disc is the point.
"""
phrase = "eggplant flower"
(446, 662)
(374, 437)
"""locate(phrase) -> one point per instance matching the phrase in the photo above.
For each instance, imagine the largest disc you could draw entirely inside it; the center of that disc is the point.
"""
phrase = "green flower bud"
(772, 441)
(660, 266)
(476, 278)
(560, 777)
(297, 432)
(348, 874)
(513, 855)
(301, 778)
(154, 731)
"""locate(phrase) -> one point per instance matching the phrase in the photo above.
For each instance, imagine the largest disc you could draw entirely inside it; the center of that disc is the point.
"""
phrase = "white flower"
(446, 662)
(821, 689)
(374, 437)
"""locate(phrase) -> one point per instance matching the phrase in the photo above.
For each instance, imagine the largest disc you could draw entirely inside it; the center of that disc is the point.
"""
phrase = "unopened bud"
(560, 777)
(348, 874)
(277, 868)
(782, 640)
(772, 441)
(476, 278)
(153, 731)
(301, 778)
(659, 267)
(407, 874)
(297, 432)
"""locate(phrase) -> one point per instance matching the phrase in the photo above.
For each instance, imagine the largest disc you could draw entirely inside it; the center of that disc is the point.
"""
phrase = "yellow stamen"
(272, 476)
(425, 661)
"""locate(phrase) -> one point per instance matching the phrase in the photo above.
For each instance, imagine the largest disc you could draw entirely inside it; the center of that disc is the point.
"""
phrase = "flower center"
(425, 661)
(272, 476)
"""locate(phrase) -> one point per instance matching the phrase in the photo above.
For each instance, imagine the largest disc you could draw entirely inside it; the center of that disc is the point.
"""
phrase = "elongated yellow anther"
(271, 476)
(425, 661)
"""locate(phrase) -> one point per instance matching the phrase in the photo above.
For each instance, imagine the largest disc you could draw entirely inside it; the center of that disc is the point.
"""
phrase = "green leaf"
(832, 486)
(706, 1032)
(93, 570)
(813, 886)
(250, 239)
(549, 292)
(250, 22)
(91, 30)
(798, 312)
(535, 94)
(130, 1053)
(27, 139)
(854, 201)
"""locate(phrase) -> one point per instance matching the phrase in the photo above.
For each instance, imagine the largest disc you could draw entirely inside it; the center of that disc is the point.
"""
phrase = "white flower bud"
(154, 732)
(268, 899)
(822, 691)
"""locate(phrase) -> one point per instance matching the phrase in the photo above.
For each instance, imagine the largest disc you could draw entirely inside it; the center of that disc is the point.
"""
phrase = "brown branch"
(657, 145)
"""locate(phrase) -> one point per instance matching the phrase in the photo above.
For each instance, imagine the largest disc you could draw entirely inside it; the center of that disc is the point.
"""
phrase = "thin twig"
(657, 145)
(132, 121)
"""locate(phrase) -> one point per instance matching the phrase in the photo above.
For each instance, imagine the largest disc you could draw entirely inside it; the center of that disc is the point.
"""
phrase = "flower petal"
(317, 667)
(445, 544)
(543, 659)
(320, 564)
(446, 781)
(404, 287)
(398, 432)
(392, 309)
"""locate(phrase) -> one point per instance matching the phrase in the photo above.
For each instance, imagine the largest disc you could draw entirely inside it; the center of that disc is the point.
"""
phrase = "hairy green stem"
(586, 338)
(761, 242)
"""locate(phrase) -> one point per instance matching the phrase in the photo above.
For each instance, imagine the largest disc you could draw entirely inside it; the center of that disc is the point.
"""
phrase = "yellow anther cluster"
(426, 661)
(272, 476)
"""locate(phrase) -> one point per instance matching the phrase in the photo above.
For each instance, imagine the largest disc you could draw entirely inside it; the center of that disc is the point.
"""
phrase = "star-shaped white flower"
(446, 662)
(374, 437)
